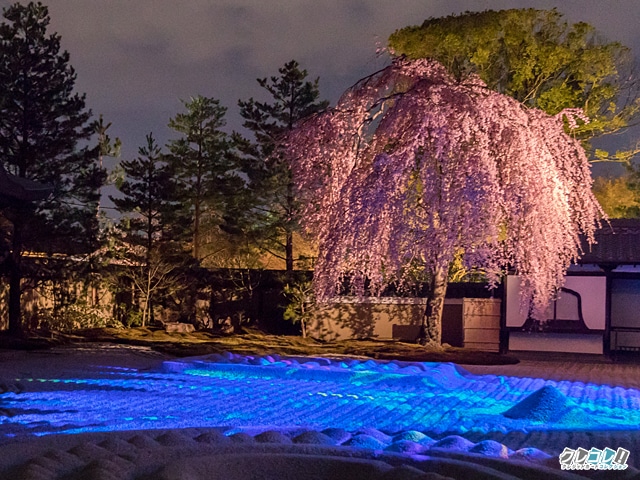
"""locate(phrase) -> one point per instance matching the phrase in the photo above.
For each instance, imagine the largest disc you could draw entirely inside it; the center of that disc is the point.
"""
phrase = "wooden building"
(598, 309)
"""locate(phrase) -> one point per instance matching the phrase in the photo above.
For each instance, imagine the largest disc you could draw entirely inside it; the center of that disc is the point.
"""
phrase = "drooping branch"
(446, 167)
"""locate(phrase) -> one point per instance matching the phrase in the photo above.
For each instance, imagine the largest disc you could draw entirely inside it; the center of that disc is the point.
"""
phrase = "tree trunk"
(15, 314)
(15, 281)
(289, 228)
(303, 322)
(147, 300)
(196, 231)
(431, 328)
(288, 248)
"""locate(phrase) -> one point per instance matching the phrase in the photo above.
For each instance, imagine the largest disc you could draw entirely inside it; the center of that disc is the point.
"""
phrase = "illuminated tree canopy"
(413, 167)
(541, 60)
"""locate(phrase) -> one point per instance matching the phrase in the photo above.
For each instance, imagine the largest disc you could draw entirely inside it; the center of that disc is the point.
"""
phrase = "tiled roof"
(17, 189)
(618, 243)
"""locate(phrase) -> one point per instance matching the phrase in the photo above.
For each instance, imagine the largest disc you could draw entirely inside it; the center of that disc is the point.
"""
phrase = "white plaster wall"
(592, 290)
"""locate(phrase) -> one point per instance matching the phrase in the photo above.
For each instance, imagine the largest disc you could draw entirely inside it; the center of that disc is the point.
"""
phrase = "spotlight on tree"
(413, 167)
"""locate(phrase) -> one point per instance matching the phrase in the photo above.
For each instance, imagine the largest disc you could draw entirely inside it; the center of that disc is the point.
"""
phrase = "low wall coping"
(390, 301)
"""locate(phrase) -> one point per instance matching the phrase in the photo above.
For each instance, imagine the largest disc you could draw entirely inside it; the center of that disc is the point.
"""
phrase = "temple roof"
(618, 243)
(15, 189)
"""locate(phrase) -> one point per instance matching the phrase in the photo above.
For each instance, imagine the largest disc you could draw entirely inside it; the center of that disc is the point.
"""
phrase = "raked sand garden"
(112, 411)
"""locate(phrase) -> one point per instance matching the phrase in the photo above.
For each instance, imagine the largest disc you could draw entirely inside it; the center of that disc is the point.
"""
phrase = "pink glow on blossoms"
(412, 166)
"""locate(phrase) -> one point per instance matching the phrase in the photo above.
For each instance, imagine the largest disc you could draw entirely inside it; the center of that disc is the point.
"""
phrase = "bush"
(72, 317)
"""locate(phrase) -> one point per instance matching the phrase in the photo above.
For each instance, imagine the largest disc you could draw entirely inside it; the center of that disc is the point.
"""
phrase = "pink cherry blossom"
(412, 167)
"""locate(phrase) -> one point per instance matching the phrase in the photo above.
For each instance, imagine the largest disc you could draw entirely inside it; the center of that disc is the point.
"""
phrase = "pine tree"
(42, 122)
(619, 196)
(293, 98)
(151, 234)
(203, 166)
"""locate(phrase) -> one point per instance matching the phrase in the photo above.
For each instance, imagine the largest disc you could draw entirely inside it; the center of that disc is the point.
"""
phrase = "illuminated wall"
(592, 291)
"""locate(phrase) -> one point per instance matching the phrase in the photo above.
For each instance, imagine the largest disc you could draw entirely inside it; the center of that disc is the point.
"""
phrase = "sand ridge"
(209, 454)
(194, 453)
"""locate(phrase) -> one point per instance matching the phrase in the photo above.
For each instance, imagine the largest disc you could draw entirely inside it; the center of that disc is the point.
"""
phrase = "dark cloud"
(136, 59)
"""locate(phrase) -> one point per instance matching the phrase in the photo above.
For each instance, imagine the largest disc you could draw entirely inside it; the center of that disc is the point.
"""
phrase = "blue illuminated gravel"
(260, 392)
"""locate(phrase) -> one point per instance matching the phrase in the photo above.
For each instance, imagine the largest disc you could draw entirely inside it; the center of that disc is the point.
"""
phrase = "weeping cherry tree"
(414, 168)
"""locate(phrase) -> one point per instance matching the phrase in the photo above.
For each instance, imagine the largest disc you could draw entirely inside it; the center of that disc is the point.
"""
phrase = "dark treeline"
(207, 199)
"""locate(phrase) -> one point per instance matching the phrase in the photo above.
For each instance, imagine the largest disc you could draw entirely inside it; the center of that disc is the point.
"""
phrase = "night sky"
(136, 59)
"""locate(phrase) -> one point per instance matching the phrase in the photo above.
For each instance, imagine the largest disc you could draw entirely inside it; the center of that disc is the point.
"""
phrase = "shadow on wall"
(364, 318)
(31, 304)
(466, 322)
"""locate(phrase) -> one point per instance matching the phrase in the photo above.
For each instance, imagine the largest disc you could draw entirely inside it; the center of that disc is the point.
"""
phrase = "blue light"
(430, 398)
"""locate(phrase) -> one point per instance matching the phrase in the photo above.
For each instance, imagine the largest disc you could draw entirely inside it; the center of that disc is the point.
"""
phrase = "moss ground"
(255, 342)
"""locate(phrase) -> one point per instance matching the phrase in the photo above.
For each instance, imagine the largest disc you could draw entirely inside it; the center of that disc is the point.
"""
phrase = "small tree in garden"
(413, 167)
(301, 303)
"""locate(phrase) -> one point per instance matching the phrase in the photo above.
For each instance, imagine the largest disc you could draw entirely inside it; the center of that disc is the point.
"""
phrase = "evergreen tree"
(42, 121)
(271, 184)
(539, 59)
(619, 196)
(151, 233)
(203, 166)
